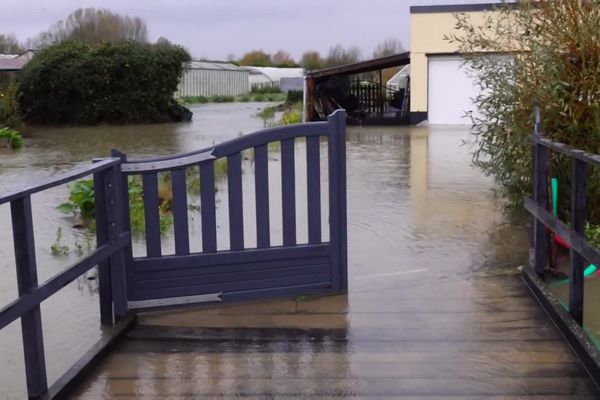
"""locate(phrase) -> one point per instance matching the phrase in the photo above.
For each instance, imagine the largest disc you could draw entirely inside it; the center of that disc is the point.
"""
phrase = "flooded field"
(419, 217)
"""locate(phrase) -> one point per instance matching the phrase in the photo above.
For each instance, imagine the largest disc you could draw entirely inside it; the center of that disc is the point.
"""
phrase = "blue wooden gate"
(242, 273)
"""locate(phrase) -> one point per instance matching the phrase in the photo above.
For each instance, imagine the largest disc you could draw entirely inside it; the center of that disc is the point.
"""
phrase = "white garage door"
(451, 91)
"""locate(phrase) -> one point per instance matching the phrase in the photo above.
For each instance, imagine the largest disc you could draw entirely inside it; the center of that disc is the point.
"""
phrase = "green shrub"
(125, 82)
(222, 99)
(9, 108)
(554, 57)
(294, 96)
(291, 117)
(13, 139)
(266, 89)
(194, 99)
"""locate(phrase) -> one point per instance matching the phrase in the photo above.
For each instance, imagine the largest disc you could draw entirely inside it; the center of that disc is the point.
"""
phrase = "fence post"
(104, 286)
(122, 262)
(337, 199)
(578, 217)
(540, 196)
(31, 322)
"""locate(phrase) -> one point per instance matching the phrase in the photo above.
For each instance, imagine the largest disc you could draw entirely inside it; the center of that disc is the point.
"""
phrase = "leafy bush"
(9, 108)
(222, 99)
(266, 89)
(125, 82)
(294, 96)
(13, 138)
(554, 59)
(291, 117)
(195, 99)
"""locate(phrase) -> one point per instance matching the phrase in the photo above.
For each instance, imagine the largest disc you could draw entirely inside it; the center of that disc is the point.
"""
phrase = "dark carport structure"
(360, 89)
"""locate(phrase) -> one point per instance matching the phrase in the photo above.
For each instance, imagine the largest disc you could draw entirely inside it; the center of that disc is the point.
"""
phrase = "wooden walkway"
(482, 337)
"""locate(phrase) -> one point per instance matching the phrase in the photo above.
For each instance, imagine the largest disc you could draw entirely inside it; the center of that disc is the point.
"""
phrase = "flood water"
(416, 209)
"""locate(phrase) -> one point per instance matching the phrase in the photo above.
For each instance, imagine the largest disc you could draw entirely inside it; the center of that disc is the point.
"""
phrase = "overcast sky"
(214, 29)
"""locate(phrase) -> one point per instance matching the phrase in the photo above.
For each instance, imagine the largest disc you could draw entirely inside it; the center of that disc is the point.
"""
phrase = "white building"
(202, 78)
(261, 77)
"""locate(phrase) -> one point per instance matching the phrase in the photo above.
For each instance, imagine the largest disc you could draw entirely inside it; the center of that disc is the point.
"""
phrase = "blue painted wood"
(288, 192)
(578, 219)
(261, 188)
(171, 269)
(180, 216)
(34, 297)
(228, 287)
(125, 218)
(104, 287)
(236, 209)
(313, 188)
(207, 207)
(31, 321)
(59, 180)
(151, 214)
(540, 195)
(227, 277)
(339, 130)
(336, 198)
(230, 257)
(115, 226)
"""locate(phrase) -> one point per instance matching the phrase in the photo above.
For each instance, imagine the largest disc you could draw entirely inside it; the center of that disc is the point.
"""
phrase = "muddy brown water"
(418, 213)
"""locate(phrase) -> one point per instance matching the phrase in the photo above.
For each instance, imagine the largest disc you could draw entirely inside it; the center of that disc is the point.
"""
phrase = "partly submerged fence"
(549, 229)
(127, 283)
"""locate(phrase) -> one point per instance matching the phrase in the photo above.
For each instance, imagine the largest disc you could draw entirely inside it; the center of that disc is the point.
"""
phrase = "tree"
(554, 57)
(92, 26)
(311, 60)
(10, 45)
(338, 55)
(256, 58)
(283, 59)
(388, 47)
(125, 82)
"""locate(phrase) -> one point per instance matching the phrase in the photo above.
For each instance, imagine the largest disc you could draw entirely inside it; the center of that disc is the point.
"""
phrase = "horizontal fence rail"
(573, 235)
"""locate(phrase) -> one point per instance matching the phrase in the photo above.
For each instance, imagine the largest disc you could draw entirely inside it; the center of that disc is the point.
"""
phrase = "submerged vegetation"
(250, 97)
(81, 201)
(12, 138)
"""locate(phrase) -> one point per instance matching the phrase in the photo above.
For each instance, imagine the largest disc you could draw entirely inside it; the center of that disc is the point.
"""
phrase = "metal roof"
(8, 56)
(214, 66)
(12, 64)
(375, 64)
(275, 74)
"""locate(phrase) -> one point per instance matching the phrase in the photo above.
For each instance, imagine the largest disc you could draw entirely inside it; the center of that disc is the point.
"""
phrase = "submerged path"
(453, 339)
(436, 308)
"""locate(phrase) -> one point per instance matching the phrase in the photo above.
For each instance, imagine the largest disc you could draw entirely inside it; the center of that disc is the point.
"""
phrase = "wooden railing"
(240, 273)
(112, 239)
(574, 235)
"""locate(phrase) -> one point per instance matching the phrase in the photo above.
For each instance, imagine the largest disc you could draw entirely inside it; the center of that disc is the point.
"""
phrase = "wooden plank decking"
(474, 338)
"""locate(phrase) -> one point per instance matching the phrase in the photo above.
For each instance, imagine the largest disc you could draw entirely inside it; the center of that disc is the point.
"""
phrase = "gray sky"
(215, 28)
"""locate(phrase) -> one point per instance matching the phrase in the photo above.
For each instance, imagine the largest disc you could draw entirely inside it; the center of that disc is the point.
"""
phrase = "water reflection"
(420, 219)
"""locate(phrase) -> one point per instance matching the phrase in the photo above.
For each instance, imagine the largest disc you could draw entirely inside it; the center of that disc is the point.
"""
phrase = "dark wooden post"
(104, 287)
(578, 218)
(337, 198)
(31, 322)
(540, 196)
(116, 226)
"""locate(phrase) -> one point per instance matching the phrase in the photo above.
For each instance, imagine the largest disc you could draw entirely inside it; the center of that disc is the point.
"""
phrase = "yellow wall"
(426, 37)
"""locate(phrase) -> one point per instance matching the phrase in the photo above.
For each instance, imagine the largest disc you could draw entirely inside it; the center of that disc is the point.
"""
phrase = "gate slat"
(313, 188)
(288, 189)
(151, 214)
(236, 212)
(180, 215)
(261, 185)
(207, 206)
